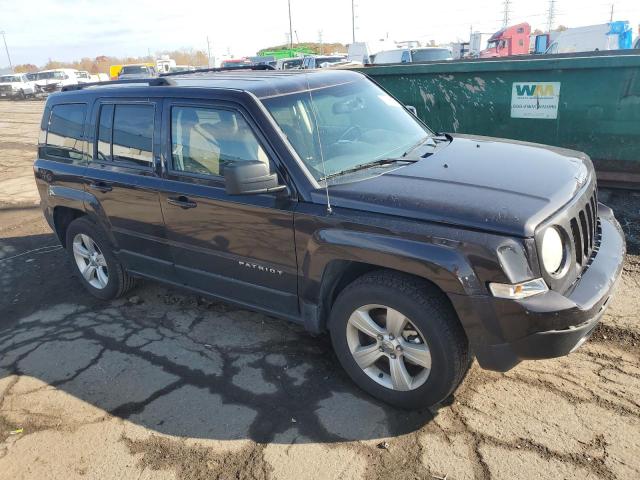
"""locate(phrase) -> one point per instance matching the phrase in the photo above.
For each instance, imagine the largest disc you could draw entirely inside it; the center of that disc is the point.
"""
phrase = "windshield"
(358, 123)
(321, 60)
(47, 75)
(133, 69)
(291, 63)
(9, 79)
(431, 54)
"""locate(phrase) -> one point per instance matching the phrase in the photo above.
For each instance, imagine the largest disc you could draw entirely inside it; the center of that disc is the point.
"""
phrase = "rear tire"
(419, 366)
(94, 262)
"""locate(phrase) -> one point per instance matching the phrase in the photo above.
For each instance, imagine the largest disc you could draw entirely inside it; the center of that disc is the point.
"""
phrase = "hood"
(484, 183)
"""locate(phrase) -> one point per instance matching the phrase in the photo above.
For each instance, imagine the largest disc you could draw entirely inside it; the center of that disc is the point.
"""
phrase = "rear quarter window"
(65, 133)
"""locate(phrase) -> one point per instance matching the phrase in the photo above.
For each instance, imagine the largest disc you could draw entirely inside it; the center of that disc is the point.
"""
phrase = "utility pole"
(551, 15)
(353, 21)
(611, 17)
(320, 42)
(6, 49)
(208, 52)
(507, 13)
(290, 27)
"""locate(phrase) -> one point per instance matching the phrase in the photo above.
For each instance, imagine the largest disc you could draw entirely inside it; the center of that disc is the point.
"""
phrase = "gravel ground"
(163, 384)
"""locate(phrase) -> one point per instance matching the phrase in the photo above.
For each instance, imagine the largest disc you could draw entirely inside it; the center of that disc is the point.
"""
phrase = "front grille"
(579, 222)
(585, 230)
(5, 88)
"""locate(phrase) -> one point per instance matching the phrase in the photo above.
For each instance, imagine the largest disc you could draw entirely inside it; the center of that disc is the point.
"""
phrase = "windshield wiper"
(363, 166)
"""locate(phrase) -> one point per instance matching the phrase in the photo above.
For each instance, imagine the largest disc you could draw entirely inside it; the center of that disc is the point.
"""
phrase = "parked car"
(235, 63)
(83, 76)
(53, 80)
(513, 40)
(289, 63)
(16, 86)
(606, 36)
(322, 61)
(129, 72)
(319, 198)
(412, 55)
(182, 68)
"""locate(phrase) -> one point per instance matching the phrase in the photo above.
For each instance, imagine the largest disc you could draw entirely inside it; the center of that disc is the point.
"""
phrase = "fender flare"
(81, 200)
(439, 261)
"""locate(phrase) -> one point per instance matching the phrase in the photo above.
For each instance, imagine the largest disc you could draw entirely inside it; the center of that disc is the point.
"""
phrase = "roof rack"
(152, 82)
(219, 69)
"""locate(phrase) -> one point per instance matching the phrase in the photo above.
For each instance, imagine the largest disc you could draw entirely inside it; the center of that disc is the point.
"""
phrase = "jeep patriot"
(317, 197)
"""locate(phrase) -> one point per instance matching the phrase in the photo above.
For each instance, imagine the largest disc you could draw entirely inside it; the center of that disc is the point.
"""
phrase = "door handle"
(101, 186)
(182, 202)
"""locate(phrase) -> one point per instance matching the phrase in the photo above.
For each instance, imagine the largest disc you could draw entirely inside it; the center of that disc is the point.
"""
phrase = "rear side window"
(65, 133)
(125, 134)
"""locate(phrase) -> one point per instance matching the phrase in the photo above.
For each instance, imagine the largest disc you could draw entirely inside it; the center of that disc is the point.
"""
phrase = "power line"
(6, 49)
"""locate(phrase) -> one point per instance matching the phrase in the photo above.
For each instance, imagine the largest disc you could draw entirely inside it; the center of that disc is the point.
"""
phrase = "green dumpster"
(585, 102)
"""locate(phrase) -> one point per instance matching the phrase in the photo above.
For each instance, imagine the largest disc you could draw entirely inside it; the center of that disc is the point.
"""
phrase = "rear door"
(124, 176)
(239, 248)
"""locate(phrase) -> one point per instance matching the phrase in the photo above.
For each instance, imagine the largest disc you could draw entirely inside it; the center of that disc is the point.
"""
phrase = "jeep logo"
(261, 268)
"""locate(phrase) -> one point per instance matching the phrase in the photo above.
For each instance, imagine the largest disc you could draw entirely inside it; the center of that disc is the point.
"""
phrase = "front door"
(239, 248)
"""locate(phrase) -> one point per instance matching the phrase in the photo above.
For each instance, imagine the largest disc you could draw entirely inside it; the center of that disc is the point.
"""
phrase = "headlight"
(552, 251)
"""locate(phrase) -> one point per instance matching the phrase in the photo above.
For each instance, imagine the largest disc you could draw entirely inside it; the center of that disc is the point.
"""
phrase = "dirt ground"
(164, 384)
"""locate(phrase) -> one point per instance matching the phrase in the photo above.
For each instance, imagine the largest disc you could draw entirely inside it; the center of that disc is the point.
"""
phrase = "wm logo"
(534, 90)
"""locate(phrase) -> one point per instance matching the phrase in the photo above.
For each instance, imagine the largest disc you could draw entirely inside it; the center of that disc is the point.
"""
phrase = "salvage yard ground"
(164, 384)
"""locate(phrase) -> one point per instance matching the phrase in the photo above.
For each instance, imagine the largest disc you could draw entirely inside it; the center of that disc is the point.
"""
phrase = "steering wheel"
(354, 131)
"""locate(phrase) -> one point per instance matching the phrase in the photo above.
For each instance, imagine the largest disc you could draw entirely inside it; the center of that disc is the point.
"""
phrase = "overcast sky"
(37, 30)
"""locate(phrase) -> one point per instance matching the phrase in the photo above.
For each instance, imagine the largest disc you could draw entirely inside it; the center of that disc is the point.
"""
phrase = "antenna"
(317, 129)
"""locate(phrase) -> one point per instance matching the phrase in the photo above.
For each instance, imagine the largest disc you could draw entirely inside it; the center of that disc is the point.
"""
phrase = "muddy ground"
(163, 384)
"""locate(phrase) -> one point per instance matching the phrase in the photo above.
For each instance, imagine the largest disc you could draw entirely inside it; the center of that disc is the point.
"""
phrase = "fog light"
(519, 290)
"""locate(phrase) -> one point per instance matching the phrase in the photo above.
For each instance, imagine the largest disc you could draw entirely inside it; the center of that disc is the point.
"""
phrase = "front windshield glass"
(133, 69)
(49, 75)
(9, 79)
(358, 123)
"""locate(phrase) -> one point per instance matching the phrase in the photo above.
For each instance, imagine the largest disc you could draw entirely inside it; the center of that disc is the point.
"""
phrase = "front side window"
(65, 132)
(204, 140)
(357, 123)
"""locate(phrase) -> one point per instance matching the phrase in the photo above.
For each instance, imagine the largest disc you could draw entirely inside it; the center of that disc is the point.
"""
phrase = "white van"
(607, 36)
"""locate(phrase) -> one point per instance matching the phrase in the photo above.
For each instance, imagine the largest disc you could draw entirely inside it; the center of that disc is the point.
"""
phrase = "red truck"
(513, 40)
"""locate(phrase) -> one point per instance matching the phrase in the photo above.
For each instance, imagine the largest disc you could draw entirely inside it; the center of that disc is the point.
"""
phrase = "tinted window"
(431, 54)
(64, 135)
(104, 132)
(203, 140)
(133, 134)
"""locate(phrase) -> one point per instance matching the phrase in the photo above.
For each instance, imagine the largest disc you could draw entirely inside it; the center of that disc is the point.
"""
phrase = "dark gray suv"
(318, 198)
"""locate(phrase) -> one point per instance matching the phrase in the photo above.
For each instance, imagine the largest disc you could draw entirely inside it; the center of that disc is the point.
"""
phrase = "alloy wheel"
(90, 261)
(388, 347)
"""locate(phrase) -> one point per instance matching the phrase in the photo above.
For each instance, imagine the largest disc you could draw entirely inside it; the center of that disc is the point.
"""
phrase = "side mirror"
(412, 109)
(250, 177)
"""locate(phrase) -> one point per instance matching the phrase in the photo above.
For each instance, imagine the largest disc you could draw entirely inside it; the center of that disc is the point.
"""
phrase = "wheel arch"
(339, 257)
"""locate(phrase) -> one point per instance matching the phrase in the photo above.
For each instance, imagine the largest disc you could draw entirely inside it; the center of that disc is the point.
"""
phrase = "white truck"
(16, 85)
(53, 80)
(606, 36)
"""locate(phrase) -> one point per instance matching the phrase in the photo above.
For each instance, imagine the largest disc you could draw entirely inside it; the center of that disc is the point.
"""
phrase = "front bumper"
(504, 332)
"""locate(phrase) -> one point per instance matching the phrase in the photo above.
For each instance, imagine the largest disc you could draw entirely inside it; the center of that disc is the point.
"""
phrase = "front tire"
(399, 339)
(94, 262)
